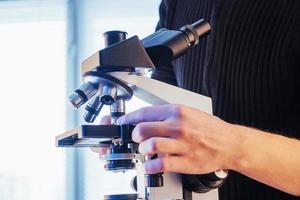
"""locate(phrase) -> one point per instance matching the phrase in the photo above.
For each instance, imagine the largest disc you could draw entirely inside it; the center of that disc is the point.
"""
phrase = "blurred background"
(42, 44)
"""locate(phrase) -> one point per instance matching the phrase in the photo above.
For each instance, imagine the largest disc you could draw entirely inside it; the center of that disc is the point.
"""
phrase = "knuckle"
(154, 145)
(184, 131)
(179, 130)
(139, 132)
(163, 164)
(178, 111)
(140, 128)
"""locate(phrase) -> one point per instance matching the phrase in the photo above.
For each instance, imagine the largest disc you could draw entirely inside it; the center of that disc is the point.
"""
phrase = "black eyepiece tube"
(113, 37)
(166, 45)
(202, 27)
(196, 31)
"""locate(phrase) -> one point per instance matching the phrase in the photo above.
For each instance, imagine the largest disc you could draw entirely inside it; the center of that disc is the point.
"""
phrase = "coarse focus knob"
(154, 180)
(133, 183)
(204, 182)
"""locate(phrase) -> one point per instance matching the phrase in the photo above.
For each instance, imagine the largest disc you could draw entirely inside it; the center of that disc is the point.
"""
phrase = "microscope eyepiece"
(196, 31)
(165, 45)
(82, 94)
(113, 37)
(201, 27)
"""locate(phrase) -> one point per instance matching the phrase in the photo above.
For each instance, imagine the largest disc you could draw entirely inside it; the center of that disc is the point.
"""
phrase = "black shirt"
(249, 65)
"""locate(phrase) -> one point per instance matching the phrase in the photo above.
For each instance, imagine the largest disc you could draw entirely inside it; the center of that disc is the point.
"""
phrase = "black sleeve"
(166, 73)
(296, 38)
(196, 183)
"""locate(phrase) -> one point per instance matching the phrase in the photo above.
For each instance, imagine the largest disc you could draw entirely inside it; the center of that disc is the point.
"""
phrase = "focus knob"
(154, 180)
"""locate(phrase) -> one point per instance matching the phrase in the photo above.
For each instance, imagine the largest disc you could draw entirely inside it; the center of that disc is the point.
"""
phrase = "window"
(32, 103)
(42, 43)
(137, 18)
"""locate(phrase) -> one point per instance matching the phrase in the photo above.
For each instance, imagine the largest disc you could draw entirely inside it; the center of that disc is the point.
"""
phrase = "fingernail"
(148, 167)
(145, 168)
(120, 121)
(133, 135)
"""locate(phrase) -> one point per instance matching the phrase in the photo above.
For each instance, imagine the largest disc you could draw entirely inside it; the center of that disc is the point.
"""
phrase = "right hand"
(106, 120)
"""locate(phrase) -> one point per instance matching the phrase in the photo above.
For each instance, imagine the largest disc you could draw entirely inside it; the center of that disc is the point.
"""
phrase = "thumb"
(106, 120)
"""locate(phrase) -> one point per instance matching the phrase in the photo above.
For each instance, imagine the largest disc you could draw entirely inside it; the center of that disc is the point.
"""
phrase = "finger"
(178, 164)
(162, 145)
(146, 130)
(100, 150)
(105, 120)
(147, 114)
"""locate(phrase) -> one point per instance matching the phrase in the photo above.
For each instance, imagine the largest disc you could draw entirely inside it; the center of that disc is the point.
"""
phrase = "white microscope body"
(113, 75)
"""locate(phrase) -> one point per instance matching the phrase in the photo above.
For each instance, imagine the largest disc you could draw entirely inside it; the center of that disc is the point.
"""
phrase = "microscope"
(111, 77)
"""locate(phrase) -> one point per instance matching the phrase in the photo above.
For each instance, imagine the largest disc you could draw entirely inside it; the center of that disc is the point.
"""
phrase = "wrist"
(236, 148)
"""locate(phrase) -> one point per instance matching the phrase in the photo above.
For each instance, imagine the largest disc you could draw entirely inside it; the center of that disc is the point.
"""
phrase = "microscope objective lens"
(82, 94)
(109, 95)
(92, 110)
(117, 110)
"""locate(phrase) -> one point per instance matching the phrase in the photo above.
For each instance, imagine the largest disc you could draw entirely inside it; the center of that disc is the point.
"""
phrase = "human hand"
(192, 141)
(106, 120)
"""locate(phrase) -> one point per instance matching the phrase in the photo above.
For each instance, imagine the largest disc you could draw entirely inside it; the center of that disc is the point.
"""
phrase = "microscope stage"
(93, 135)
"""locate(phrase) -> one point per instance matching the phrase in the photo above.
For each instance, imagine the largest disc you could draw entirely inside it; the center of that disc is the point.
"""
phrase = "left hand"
(192, 141)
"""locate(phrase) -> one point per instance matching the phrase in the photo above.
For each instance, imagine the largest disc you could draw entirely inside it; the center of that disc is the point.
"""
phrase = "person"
(250, 66)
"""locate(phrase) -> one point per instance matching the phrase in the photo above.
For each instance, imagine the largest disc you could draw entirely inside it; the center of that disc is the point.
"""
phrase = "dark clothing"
(249, 65)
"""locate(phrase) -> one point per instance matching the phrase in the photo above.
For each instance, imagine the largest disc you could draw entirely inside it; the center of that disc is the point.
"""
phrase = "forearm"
(208, 144)
(268, 158)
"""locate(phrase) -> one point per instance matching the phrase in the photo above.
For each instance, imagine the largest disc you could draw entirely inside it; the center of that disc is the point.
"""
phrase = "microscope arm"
(157, 92)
